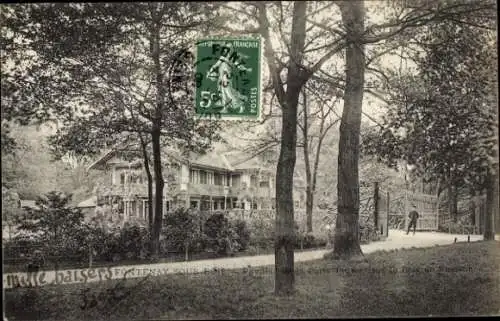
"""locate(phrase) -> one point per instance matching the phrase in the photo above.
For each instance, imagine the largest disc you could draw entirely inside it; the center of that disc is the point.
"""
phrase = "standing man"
(413, 219)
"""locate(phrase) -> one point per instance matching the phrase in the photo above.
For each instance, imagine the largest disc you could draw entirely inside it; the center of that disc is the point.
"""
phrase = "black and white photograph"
(249, 160)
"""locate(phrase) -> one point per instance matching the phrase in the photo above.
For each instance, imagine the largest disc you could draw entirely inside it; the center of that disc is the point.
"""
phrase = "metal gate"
(382, 211)
(427, 208)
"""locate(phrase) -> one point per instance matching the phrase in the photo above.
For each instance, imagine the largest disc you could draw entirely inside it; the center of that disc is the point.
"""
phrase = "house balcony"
(249, 192)
(141, 190)
(205, 189)
(123, 190)
(133, 189)
(232, 191)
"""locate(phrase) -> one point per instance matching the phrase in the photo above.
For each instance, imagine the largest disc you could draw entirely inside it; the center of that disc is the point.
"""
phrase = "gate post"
(437, 213)
(406, 210)
(376, 205)
(388, 213)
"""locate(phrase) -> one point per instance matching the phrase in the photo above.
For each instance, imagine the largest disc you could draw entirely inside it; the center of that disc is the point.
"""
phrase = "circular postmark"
(180, 78)
(225, 77)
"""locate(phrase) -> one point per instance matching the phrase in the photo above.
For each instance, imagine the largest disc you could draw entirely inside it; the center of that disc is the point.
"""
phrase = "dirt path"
(396, 240)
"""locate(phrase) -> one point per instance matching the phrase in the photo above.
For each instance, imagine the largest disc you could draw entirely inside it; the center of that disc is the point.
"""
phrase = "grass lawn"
(397, 283)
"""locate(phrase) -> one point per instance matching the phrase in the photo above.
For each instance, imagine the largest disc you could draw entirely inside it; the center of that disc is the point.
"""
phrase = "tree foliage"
(115, 76)
(54, 219)
(441, 120)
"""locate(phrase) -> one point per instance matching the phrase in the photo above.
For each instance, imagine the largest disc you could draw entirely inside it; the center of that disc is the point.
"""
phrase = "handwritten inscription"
(42, 278)
(58, 277)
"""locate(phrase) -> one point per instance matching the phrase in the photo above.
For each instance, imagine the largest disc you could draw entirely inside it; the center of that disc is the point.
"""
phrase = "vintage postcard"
(250, 160)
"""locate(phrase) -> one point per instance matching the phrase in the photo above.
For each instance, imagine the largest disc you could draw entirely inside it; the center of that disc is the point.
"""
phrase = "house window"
(264, 184)
(132, 208)
(194, 176)
(134, 177)
(217, 179)
(146, 209)
(203, 177)
(137, 177)
(140, 209)
(236, 180)
(253, 180)
(210, 178)
(205, 205)
(122, 178)
(194, 204)
(215, 205)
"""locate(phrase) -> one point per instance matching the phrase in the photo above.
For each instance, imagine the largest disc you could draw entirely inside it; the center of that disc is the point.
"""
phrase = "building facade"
(210, 182)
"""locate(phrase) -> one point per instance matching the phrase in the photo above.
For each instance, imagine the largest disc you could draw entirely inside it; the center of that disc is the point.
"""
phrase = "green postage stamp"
(228, 78)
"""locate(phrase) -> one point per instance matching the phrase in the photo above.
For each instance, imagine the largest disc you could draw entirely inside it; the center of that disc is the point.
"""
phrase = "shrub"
(310, 241)
(243, 233)
(182, 232)
(20, 248)
(134, 241)
(76, 246)
(102, 242)
(456, 228)
(262, 233)
(115, 244)
(222, 236)
(368, 233)
(215, 224)
(396, 221)
(305, 241)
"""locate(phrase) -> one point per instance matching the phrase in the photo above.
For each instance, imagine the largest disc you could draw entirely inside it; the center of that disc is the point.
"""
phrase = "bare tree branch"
(268, 50)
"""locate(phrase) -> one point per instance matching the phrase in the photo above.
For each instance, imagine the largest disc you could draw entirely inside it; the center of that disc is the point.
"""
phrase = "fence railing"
(20, 256)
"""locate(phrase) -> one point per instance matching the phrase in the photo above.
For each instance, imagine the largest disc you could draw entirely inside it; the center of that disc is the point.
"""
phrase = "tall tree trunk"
(322, 134)
(309, 208)
(346, 239)
(491, 206)
(376, 198)
(452, 202)
(438, 201)
(285, 231)
(156, 133)
(309, 191)
(472, 206)
(159, 185)
(150, 183)
(492, 214)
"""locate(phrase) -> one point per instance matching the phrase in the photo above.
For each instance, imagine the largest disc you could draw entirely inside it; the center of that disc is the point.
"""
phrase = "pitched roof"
(217, 159)
(28, 203)
(91, 202)
(252, 163)
(240, 160)
(106, 156)
(211, 159)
